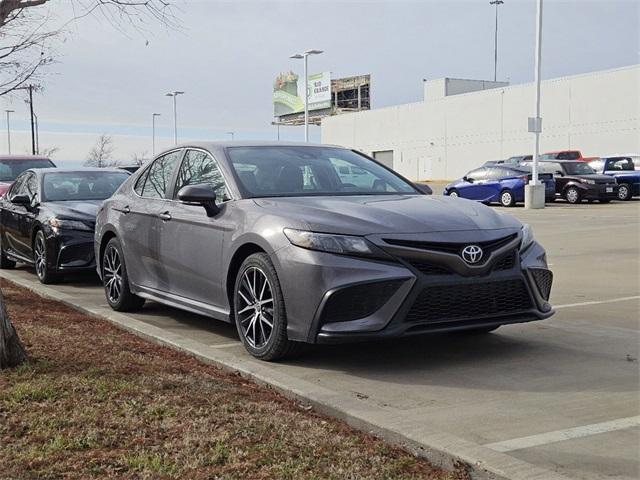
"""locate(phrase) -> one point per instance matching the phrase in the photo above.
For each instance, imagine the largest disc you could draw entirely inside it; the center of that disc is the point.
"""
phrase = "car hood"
(4, 187)
(376, 214)
(597, 177)
(80, 210)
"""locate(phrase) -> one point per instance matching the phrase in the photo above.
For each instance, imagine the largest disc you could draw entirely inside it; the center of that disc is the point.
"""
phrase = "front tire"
(507, 199)
(454, 193)
(573, 195)
(624, 192)
(259, 310)
(116, 281)
(44, 272)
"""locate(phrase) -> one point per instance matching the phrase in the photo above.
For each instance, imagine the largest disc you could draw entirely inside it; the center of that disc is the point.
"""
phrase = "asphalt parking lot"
(561, 394)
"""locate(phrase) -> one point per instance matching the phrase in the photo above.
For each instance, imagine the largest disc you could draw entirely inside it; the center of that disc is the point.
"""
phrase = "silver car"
(278, 239)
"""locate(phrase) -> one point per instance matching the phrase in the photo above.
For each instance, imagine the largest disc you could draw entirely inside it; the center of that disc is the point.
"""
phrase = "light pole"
(175, 115)
(153, 133)
(232, 135)
(534, 191)
(495, 49)
(305, 56)
(9, 130)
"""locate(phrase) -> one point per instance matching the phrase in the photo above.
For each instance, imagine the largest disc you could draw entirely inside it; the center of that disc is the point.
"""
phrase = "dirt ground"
(97, 402)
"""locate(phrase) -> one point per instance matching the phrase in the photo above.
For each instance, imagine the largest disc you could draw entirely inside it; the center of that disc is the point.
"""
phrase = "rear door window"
(158, 180)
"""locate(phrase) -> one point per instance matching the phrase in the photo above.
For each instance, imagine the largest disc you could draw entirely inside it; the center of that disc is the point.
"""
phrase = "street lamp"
(175, 115)
(232, 134)
(534, 190)
(304, 56)
(153, 133)
(9, 130)
(495, 50)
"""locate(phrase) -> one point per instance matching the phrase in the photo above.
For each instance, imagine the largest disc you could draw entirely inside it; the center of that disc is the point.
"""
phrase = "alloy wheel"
(454, 194)
(573, 195)
(40, 256)
(506, 199)
(112, 273)
(255, 307)
(623, 192)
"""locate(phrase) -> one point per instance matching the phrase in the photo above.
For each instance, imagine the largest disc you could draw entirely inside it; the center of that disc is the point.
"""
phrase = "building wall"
(442, 138)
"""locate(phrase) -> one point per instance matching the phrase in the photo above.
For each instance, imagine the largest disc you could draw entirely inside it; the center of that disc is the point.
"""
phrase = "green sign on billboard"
(288, 93)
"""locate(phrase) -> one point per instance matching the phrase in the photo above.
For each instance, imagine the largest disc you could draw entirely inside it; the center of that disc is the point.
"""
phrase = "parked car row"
(292, 243)
(600, 179)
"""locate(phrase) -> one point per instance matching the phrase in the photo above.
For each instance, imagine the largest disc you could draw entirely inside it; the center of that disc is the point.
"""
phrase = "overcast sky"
(227, 53)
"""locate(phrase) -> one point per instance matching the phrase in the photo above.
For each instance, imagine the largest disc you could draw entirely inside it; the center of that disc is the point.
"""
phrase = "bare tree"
(49, 152)
(28, 33)
(101, 155)
(139, 158)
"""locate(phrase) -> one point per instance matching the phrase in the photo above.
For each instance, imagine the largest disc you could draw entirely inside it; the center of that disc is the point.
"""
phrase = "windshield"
(578, 168)
(81, 185)
(10, 169)
(304, 171)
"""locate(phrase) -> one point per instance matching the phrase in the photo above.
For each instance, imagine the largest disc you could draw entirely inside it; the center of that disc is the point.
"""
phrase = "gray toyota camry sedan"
(300, 243)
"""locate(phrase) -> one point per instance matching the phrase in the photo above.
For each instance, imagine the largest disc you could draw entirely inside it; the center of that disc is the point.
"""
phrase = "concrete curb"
(439, 448)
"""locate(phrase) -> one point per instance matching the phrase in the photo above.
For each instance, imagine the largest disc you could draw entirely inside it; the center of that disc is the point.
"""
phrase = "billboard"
(288, 93)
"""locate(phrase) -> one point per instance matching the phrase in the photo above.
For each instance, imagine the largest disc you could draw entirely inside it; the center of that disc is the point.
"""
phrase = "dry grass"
(97, 402)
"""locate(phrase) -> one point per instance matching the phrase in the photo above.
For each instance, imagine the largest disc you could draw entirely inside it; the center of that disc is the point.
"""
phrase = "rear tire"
(573, 195)
(44, 272)
(259, 310)
(116, 281)
(624, 192)
(454, 193)
(507, 199)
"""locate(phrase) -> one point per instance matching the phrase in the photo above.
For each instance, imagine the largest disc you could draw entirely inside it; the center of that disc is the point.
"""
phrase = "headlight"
(328, 242)
(58, 224)
(527, 237)
(586, 180)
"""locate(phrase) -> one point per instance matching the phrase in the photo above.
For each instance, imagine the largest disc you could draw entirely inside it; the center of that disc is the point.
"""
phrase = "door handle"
(165, 216)
(124, 209)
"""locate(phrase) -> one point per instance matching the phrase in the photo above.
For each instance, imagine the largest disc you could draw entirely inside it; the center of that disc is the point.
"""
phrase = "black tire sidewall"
(127, 299)
(278, 339)
(49, 275)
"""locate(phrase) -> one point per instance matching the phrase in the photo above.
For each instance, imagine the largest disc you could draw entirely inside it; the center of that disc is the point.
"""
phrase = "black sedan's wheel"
(624, 192)
(116, 281)
(259, 310)
(573, 195)
(507, 199)
(44, 272)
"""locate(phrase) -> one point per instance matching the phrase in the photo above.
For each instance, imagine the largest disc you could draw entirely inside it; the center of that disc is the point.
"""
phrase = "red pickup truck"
(563, 155)
(13, 165)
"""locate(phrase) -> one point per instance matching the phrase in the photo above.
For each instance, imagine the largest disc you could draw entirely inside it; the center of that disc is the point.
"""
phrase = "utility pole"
(175, 114)
(33, 127)
(305, 56)
(495, 47)
(9, 130)
(153, 134)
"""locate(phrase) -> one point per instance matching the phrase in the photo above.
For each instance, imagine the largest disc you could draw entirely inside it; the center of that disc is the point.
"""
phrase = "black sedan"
(577, 181)
(47, 219)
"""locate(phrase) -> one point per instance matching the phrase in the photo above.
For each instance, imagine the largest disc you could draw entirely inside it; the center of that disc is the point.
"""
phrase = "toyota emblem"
(472, 254)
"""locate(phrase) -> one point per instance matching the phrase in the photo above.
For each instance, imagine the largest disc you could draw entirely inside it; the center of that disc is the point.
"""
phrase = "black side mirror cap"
(21, 200)
(423, 188)
(200, 194)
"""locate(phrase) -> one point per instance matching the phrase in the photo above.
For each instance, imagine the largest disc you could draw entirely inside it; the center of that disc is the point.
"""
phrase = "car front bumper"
(607, 191)
(395, 298)
(70, 250)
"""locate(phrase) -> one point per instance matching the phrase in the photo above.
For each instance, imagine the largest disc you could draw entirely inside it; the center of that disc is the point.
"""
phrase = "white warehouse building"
(460, 124)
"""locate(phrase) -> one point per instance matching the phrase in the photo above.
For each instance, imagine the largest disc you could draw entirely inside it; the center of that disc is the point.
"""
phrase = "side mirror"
(21, 200)
(423, 188)
(201, 194)
(467, 179)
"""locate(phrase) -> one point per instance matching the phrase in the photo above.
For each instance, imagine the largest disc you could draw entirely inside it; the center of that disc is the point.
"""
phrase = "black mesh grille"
(359, 301)
(506, 263)
(430, 268)
(543, 279)
(76, 255)
(450, 302)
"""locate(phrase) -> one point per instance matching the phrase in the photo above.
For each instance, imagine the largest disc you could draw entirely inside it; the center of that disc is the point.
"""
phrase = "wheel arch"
(106, 237)
(239, 256)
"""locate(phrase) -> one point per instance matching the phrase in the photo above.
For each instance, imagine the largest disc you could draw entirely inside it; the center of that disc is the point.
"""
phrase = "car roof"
(42, 171)
(23, 157)
(248, 143)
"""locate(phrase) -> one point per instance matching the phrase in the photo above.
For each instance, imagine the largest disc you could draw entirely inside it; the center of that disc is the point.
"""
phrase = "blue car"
(625, 173)
(498, 184)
